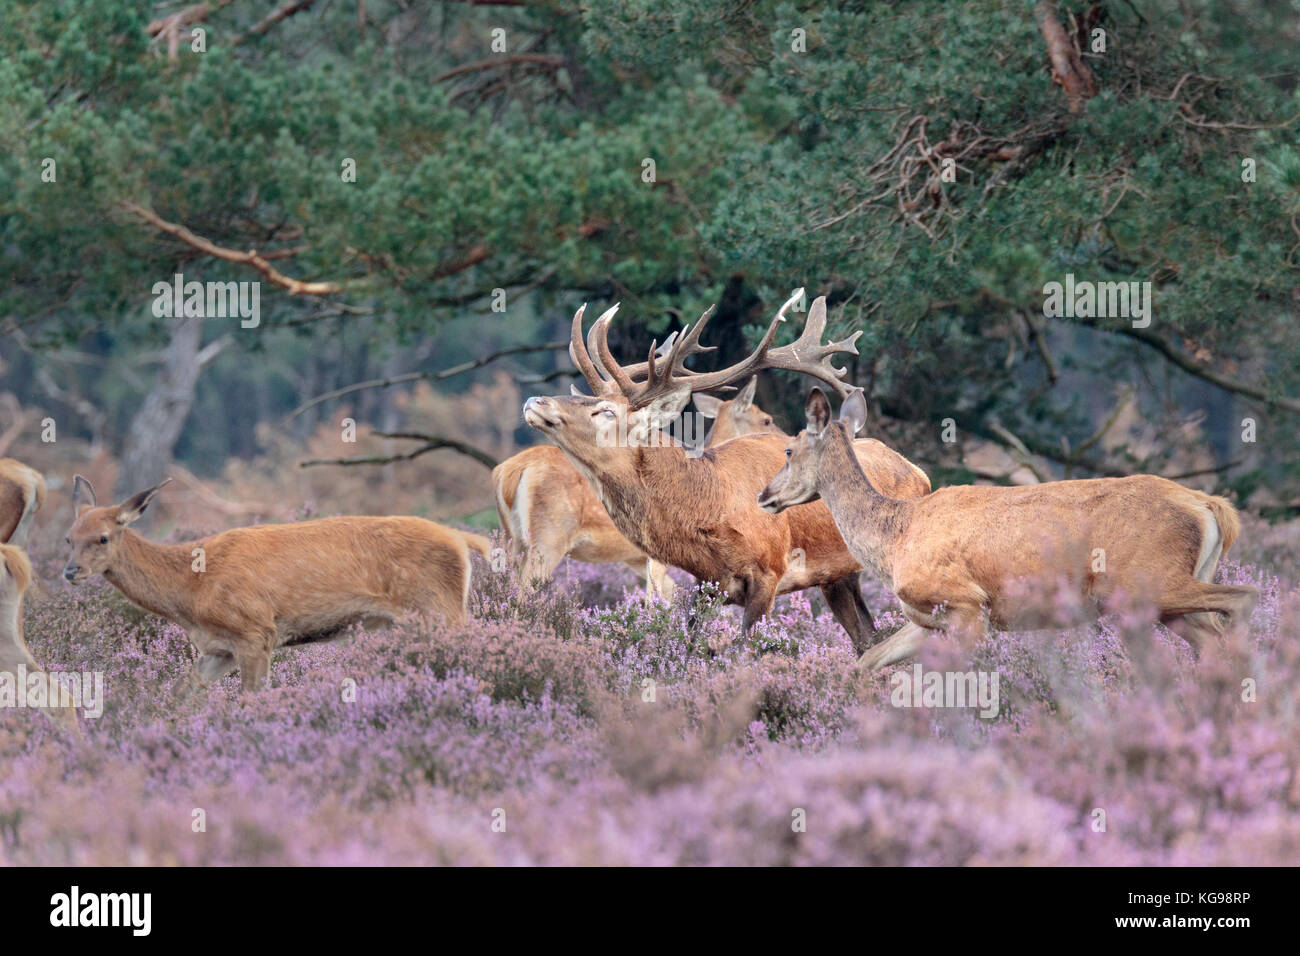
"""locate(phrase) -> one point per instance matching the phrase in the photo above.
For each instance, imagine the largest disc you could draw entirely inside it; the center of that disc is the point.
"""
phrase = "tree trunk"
(157, 426)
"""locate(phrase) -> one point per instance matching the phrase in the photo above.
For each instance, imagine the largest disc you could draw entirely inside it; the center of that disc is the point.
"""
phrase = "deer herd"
(754, 510)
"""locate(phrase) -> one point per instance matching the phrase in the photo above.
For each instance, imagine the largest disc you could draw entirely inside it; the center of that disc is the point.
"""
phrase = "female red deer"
(22, 494)
(242, 593)
(970, 551)
(15, 576)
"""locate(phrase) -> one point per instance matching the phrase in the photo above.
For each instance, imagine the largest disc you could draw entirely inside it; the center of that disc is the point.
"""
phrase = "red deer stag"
(971, 551)
(698, 511)
(15, 576)
(22, 494)
(551, 512)
(242, 593)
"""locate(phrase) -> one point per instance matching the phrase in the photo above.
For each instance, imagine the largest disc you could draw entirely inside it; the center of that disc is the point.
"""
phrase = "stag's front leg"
(759, 596)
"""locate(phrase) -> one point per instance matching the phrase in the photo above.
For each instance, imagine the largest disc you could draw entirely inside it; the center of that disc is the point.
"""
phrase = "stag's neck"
(869, 522)
(157, 577)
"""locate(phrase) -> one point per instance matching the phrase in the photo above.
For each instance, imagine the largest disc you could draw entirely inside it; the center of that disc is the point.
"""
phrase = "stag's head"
(96, 532)
(632, 405)
(797, 481)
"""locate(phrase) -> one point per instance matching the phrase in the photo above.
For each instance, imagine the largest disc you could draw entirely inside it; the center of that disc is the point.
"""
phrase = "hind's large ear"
(853, 413)
(133, 507)
(708, 405)
(818, 411)
(746, 396)
(83, 496)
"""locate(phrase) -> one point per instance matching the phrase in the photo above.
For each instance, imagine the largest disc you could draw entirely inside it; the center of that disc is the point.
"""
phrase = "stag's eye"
(787, 454)
(103, 539)
(767, 421)
(608, 413)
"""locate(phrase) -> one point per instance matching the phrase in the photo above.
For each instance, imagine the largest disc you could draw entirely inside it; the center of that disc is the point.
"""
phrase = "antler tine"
(578, 351)
(593, 348)
(659, 351)
(678, 376)
(600, 332)
(591, 366)
(665, 371)
(690, 342)
(807, 354)
(581, 355)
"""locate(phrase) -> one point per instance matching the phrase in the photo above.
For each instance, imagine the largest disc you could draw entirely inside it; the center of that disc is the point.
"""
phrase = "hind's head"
(96, 532)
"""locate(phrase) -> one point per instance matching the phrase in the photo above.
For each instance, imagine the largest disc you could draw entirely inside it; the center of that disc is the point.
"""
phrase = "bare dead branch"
(432, 443)
(552, 60)
(274, 17)
(419, 376)
(1215, 378)
(210, 499)
(251, 257)
(1068, 69)
(168, 29)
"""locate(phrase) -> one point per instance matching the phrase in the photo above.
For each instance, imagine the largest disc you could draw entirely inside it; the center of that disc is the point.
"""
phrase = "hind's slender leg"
(656, 578)
(900, 645)
(207, 669)
(844, 595)
(1191, 610)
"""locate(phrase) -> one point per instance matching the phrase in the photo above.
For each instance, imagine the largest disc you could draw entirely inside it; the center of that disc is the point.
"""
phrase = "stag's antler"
(595, 370)
(807, 354)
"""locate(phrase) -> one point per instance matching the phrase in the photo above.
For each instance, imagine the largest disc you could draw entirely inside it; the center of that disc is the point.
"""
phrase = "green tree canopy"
(505, 146)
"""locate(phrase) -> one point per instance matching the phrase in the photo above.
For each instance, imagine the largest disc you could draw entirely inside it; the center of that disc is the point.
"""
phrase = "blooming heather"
(594, 728)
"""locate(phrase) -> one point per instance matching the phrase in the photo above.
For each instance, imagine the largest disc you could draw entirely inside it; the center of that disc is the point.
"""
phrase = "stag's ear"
(853, 413)
(663, 411)
(708, 405)
(83, 495)
(818, 411)
(133, 507)
(746, 396)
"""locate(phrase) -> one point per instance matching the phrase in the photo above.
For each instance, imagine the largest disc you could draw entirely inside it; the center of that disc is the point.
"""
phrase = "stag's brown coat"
(551, 512)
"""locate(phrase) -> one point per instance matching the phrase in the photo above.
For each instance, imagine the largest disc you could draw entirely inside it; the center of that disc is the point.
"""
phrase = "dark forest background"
(503, 146)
